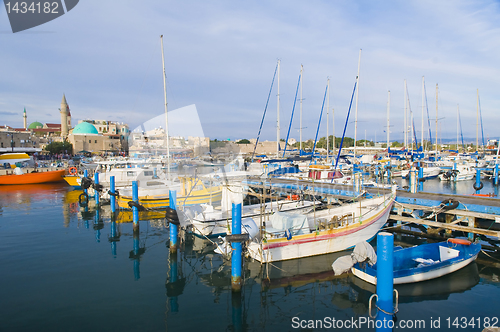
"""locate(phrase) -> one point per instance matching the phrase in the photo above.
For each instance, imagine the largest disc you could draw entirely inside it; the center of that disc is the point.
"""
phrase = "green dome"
(85, 128)
(35, 125)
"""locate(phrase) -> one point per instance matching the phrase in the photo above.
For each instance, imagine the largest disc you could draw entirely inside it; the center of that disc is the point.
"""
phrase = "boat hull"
(323, 242)
(162, 202)
(33, 178)
(467, 255)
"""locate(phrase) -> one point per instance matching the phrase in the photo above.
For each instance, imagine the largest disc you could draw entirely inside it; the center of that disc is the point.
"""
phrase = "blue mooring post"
(96, 192)
(495, 175)
(478, 181)
(135, 211)
(112, 199)
(85, 174)
(172, 196)
(236, 246)
(385, 286)
(420, 179)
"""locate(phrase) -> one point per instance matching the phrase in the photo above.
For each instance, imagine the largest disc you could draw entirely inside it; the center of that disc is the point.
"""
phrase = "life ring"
(293, 197)
(72, 170)
(449, 204)
(460, 241)
(476, 187)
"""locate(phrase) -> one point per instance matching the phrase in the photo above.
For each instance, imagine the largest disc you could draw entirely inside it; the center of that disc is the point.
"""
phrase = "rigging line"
(265, 110)
(461, 133)
(343, 134)
(291, 118)
(319, 124)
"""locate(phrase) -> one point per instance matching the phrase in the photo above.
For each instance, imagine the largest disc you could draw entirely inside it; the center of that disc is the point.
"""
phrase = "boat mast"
(388, 116)
(423, 101)
(436, 119)
(458, 126)
(357, 98)
(477, 122)
(406, 120)
(278, 114)
(300, 121)
(327, 119)
(166, 109)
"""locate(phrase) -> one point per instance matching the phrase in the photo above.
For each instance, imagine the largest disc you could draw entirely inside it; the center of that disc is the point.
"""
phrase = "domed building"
(35, 125)
(85, 138)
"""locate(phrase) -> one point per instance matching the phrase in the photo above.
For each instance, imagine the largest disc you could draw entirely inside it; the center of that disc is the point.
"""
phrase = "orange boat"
(31, 178)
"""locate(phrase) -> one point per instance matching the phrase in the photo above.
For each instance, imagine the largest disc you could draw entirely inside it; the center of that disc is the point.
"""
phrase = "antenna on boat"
(166, 109)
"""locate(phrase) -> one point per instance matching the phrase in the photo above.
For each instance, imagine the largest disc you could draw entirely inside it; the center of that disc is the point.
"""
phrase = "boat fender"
(449, 204)
(476, 187)
(460, 241)
(115, 194)
(237, 237)
(86, 183)
(288, 234)
(97, 187)
(83, 199)
(172, 216)
(137, 205)
(72, 170)
(447, 175)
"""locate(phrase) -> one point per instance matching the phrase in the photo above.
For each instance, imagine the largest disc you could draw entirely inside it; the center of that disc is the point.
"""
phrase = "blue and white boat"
(424, 262)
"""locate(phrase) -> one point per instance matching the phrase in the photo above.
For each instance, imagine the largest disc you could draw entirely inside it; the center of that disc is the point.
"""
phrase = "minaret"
(64, 117)
(25, 119)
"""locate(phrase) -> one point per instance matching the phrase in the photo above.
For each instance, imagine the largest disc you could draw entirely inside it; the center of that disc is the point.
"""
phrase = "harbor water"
(67, 268)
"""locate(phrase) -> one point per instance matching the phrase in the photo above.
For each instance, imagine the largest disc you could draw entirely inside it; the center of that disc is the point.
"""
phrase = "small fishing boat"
(31, 178)
(289, 236)
(190, 191)
(461, 173)
(424, 262)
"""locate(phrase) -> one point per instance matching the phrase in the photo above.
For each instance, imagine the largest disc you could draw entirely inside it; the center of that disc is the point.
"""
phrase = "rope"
(484, 252)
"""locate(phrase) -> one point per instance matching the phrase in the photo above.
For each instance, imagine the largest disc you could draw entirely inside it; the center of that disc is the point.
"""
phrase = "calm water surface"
(67, 269)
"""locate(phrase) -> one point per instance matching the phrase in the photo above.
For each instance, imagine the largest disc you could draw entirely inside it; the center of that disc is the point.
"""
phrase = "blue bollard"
(112, 199)
(174, 229)
(420, 179)
(236, 246)
(96, 193)
(135, 211)
(385, 280)
(478, 181)
(495, 180)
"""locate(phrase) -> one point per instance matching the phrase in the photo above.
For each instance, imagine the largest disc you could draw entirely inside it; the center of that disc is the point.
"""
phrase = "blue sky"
(221, 55)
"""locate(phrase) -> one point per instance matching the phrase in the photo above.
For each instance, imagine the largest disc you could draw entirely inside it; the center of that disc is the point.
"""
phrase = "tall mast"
(388, 116)
(357, 98)
(278, 114)
(300, 121)
(333, 134)
(436, 119)
(166, 109)
(458, 126)
(477, 122)
(406, 121)
(327, 119)
(423, 101)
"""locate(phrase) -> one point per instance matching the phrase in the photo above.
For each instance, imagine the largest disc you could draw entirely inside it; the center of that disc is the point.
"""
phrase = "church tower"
(25, 119)
(64, 117)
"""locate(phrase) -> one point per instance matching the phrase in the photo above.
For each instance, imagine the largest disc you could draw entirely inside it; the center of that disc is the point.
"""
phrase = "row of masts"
(408, 116)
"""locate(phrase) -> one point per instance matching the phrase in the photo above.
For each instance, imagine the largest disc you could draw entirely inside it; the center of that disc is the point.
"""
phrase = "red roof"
(53, 125)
